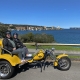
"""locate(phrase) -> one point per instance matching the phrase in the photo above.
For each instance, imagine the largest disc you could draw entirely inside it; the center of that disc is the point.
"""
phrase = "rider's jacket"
(18, 43)
(7, 44)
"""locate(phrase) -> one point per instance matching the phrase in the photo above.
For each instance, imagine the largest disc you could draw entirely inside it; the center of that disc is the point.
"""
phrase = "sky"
(63, 13)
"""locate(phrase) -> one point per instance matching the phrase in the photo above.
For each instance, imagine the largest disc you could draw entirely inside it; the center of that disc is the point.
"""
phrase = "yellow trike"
(8, 62)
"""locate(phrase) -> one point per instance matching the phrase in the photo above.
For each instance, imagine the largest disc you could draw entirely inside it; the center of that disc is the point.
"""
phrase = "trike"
(9, 62)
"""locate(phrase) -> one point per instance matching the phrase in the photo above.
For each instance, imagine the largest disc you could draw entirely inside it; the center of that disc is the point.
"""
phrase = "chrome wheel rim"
(4, 70)
(64, 63)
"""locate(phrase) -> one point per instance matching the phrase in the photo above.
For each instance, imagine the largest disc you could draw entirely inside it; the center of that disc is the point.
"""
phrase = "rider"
(9, 45)
(19, 44)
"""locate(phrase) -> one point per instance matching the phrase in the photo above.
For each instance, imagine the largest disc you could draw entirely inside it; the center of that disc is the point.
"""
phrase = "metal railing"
(52, 44)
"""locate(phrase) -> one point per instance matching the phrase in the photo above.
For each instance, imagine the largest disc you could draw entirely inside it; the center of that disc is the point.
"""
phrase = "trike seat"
(1, 46)
(2, 50)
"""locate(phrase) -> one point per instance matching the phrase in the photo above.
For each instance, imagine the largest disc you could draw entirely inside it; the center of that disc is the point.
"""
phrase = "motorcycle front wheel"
(64, 63)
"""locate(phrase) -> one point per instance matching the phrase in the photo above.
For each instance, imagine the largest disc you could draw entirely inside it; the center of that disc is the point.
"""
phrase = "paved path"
(50, 74)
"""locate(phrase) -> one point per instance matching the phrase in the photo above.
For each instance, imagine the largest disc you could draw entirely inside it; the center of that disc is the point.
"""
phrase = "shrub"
(27, 37)
(39, 38)
(43, 38)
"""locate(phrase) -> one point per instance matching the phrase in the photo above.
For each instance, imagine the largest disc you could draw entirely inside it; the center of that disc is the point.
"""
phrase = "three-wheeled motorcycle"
(9, 62)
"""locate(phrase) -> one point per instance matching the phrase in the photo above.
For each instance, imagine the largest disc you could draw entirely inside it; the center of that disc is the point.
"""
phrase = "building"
(20, 28)
(29, 27)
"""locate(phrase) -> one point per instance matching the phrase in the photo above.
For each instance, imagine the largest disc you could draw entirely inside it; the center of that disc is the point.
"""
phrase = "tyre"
(6, 70)
(64, 63)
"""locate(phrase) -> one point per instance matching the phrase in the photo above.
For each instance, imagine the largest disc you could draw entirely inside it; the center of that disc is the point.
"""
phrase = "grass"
(74, 57)
(68, 48)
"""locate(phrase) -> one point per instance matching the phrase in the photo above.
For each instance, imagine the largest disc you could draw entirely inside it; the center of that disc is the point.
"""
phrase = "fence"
(52, 44)
(60, 48)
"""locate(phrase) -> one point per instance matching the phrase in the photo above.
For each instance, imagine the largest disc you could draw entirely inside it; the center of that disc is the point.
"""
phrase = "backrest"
(1, 45)
(2, 50)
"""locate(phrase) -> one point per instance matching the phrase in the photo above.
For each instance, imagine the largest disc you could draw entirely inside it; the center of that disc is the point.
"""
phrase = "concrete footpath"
(57, 51)
(49, 73)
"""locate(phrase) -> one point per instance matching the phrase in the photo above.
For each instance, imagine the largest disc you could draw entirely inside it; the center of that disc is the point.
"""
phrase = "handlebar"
(38, 46)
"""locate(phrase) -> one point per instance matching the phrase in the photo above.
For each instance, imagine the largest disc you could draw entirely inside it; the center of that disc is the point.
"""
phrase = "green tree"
(12, 27)
(3, 29)
(43, 38)
(39, 38)
(27, 37)
(30, 37)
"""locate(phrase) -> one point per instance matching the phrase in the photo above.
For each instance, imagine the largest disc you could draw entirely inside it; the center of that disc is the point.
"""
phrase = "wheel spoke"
(4, 70)
(64, 63)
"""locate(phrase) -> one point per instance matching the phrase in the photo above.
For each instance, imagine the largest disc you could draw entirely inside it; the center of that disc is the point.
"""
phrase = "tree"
(43, 38)
(12, 27)
(27, 37)
(3, 29)
(38, 38)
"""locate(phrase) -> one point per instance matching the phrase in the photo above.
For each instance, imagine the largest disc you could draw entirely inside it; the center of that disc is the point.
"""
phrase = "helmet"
(8, 32)
(15, 34)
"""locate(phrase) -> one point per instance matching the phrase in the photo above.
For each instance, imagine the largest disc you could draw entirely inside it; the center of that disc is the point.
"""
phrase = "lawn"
(67, 48)
(70, 48)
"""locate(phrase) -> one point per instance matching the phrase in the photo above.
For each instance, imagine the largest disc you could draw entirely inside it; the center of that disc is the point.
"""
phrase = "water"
(67, 36)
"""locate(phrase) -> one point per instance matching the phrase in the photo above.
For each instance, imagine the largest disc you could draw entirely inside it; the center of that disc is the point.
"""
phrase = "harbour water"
(68, 36)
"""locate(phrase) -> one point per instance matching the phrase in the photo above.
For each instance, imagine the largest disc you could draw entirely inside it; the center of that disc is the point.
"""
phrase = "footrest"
(28, 58)
(26, 61)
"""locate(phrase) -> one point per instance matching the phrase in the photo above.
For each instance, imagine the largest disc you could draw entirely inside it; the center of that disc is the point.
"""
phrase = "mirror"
(53, 49)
